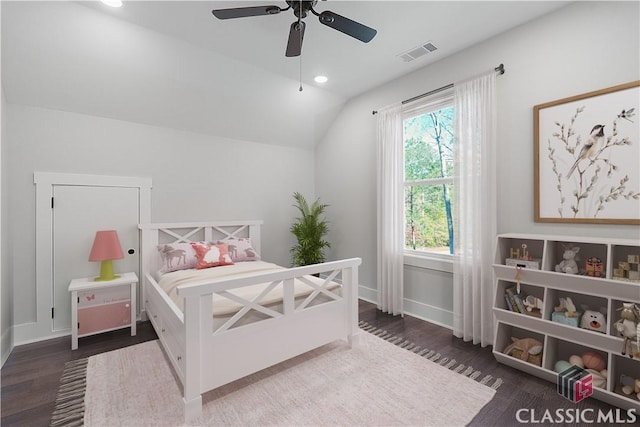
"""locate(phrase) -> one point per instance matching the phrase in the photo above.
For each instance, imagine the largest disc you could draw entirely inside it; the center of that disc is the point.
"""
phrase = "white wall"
(6, 289)
(581, 48)
(195, 177)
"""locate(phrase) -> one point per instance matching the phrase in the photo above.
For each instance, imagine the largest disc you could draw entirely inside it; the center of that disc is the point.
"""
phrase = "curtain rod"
(499, 69)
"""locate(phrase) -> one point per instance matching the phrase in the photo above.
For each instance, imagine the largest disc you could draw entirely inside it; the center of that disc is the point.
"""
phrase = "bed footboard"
(217, 357)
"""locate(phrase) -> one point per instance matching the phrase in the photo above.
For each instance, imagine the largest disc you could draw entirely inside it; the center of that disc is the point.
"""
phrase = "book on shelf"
(511, 294)
(508, 300)
(515, 303)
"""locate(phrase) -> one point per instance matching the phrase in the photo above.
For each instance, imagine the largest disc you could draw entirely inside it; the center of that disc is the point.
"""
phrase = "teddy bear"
(594, 320)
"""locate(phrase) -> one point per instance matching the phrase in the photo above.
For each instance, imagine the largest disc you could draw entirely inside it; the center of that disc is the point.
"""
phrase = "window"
(428, 170)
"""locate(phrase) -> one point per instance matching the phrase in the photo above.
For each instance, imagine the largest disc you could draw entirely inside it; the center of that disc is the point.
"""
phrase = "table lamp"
(106, 247)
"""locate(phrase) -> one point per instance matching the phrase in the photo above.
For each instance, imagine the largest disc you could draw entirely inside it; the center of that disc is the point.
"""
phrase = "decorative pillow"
(211, 255)
(177, 256)
(241, 250)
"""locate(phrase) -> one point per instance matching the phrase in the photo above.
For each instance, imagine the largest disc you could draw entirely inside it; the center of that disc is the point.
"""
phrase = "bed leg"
(192, 409)
(353, 339)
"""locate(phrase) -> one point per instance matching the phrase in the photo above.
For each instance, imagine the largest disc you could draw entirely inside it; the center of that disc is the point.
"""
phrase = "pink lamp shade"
(106, 247)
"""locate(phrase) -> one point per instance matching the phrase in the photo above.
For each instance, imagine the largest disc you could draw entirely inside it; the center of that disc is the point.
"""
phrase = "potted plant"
(309, 230)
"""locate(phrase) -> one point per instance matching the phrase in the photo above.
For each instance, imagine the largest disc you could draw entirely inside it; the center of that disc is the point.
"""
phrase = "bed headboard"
(153, 235)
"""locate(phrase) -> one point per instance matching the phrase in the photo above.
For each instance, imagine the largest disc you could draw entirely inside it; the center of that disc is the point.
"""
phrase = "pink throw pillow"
(211, 255)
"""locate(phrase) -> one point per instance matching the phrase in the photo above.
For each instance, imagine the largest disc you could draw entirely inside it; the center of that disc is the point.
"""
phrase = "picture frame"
(587, 157)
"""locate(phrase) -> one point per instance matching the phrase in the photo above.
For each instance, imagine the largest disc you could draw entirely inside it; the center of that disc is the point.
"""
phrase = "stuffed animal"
(526, 345)
(599, 378)
(627, 325)
(594, 320)
(531, 302)
(630, 385)
(593, 360)
(636, 353)
(568, 264)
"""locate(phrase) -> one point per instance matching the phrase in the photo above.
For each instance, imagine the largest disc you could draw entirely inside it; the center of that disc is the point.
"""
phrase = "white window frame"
(425, 259)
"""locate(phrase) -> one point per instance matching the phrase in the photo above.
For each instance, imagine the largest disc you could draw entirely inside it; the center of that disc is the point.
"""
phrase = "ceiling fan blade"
(296, 34)
(347, 26)
(243, 12)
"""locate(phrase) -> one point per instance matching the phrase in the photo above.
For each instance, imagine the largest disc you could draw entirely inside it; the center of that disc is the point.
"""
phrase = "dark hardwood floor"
(31, 374)
(30, 377)
(519, 390)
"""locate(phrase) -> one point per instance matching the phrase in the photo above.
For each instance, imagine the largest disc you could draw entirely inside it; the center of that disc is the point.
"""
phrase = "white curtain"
(475, 208)
(390, 192)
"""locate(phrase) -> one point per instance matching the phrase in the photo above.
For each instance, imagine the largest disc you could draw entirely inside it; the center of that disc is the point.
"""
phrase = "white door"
(78, 212)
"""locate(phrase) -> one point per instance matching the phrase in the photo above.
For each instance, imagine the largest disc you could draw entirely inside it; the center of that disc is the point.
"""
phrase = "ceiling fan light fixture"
(112, 3)
(321, 79)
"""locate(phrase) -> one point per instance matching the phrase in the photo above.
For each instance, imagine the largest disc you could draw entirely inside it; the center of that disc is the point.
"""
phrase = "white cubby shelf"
(603, 291)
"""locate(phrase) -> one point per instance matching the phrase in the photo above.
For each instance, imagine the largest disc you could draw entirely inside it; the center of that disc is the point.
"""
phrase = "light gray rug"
(374, 383)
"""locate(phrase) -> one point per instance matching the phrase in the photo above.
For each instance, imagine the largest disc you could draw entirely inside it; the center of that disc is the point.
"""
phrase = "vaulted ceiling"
(171, 63)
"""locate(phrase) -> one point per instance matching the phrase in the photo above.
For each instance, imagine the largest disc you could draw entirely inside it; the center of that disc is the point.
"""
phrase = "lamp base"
(106, 272)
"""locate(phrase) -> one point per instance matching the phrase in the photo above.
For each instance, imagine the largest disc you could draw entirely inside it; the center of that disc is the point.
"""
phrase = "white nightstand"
(102, 306)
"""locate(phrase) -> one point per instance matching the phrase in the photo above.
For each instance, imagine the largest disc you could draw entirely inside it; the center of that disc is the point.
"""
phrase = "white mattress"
(224, 307)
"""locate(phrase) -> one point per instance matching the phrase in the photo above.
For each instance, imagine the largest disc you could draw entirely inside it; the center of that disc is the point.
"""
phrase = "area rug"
(381, 380)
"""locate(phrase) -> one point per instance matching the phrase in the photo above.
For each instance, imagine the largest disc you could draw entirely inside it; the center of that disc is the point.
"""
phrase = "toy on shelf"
(636, 352)
(521, 258)
(533, 305)
(628, 270)
(630, 385)
(566, 313)
(567, 306)
(592, 362)
(627, 325)
(568, 264)
(526, 349)
(594, 320)
(594, 267)
(515, 253)
(517, 278)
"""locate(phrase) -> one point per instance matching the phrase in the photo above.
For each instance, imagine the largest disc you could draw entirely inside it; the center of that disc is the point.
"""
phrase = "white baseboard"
(429, 313)
(6, 345)
(368, 294)
(422, 311)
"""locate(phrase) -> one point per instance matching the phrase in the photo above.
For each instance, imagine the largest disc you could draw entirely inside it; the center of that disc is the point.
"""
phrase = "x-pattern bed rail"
(288, 296)
(248, 305)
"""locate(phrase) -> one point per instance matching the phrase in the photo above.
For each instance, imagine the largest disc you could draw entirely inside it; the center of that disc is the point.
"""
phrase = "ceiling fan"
(300, 9)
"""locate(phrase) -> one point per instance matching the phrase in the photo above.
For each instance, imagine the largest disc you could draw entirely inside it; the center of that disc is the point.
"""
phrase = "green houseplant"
(309, 230)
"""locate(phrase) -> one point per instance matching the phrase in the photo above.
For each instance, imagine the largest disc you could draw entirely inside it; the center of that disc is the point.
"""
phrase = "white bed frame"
(205, 359)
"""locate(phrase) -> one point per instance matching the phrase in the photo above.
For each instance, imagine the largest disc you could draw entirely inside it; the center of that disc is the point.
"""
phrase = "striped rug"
(70, 403)
(433, 356)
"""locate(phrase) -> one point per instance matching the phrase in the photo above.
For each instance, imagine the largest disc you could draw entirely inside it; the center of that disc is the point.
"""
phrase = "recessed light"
(112, 3)
(321, 79)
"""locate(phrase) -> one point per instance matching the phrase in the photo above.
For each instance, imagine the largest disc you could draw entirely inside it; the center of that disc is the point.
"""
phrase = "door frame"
(45, 182)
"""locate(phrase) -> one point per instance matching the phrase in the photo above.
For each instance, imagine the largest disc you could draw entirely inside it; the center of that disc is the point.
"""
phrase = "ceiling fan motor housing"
(300, 8)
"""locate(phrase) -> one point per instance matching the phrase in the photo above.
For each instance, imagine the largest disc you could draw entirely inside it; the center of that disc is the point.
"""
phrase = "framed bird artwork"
(587, 157)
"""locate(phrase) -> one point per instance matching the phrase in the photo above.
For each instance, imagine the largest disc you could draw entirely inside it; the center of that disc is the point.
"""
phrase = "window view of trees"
(428, 148)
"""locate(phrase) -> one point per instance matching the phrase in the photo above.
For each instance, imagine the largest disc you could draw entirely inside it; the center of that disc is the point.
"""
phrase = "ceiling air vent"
(417, 52)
